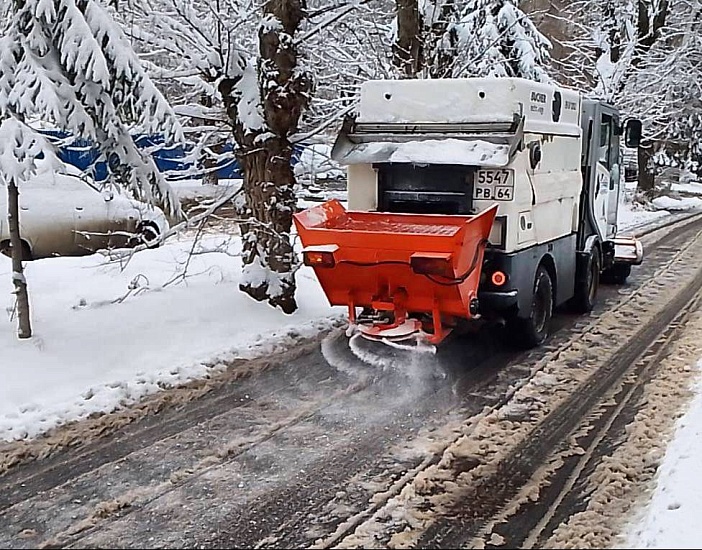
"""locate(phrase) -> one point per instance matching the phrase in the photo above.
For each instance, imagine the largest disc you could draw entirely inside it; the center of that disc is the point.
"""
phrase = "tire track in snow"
(490, 481)
(302, 515)
(527, 524)
(381, 499)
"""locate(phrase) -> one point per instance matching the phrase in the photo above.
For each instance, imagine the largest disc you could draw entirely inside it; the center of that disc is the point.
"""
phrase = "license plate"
(495, 185)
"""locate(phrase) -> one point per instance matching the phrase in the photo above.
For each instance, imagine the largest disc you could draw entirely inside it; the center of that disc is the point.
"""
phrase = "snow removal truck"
(493, 199)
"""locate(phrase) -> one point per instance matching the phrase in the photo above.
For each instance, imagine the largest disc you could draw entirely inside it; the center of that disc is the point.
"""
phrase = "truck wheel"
(6, 249)
(617, 274)
(149, 233)
(586, 288)
(533, 330)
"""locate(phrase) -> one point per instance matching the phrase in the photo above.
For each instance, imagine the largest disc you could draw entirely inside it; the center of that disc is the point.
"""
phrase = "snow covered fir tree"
(66, 63)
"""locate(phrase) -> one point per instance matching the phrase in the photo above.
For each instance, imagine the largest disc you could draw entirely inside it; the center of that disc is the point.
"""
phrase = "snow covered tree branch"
(644, 55)
(454, 39)
(66, 63)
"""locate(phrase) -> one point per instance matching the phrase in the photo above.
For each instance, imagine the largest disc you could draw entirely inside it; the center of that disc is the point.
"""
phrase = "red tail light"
(432, 263)
(319, 256)
(498, 278)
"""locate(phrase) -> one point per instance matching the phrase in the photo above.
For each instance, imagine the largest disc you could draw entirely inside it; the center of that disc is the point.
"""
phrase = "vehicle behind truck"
(491, 199)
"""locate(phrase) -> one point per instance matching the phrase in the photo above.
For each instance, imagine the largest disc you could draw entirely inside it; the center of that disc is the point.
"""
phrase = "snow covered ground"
(631, 218)
(107, 334)
(194, 189)
(670, 519)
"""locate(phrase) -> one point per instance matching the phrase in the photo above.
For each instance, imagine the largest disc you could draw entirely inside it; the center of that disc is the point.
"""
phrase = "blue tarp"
(170, 158)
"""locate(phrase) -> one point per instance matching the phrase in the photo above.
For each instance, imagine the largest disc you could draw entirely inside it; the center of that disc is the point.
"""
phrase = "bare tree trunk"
(646, 183)
(407, 49)
(651, 19)
(24, 321)
(210, 176)
(440, 44)
(649, 25)
(265, 155)
(554, 20)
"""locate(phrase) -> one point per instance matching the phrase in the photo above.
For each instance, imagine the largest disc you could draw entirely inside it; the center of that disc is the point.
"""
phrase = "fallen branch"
(195, 221)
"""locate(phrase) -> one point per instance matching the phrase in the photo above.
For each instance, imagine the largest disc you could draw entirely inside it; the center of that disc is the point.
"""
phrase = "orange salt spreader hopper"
(419, 273)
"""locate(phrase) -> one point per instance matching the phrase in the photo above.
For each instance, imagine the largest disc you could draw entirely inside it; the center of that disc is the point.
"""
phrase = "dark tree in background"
(464, 38)
(407, 49)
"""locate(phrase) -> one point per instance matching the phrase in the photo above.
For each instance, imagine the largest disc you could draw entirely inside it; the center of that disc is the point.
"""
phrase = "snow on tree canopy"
(646, 58)
(66, 63)
(19, 147)
(497, 39)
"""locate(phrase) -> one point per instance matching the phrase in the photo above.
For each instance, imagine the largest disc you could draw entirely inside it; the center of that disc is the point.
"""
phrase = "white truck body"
(545, 155)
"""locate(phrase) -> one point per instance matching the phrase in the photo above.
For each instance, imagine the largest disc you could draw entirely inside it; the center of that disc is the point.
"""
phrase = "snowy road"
(316, 448)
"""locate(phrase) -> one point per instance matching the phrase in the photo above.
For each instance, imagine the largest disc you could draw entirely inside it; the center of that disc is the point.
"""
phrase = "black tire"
(149, 235)
(617, 274)
(532, 331)
(6, 249)
(586, 287)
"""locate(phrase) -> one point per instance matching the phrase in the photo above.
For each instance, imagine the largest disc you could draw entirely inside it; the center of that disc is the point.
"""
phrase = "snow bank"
(107, 334)
(670, 518)
(632, 217)
(670, 203)
(194, 189)
(693, 188)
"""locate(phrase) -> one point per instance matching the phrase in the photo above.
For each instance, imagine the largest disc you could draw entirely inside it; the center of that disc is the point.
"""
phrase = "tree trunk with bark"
(646, 183)
(265, 155)
(441, 40)
(555, 20)
(23, 316)
(651, 19)
(407, 49)
(649, 25)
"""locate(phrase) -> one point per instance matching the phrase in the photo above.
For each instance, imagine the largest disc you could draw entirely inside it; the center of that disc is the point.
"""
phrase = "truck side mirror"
(534, 154)
(632, 133)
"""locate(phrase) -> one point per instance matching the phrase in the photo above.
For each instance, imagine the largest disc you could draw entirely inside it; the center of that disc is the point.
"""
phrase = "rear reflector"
(319, 259)
(432, 263)
(319, 256)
